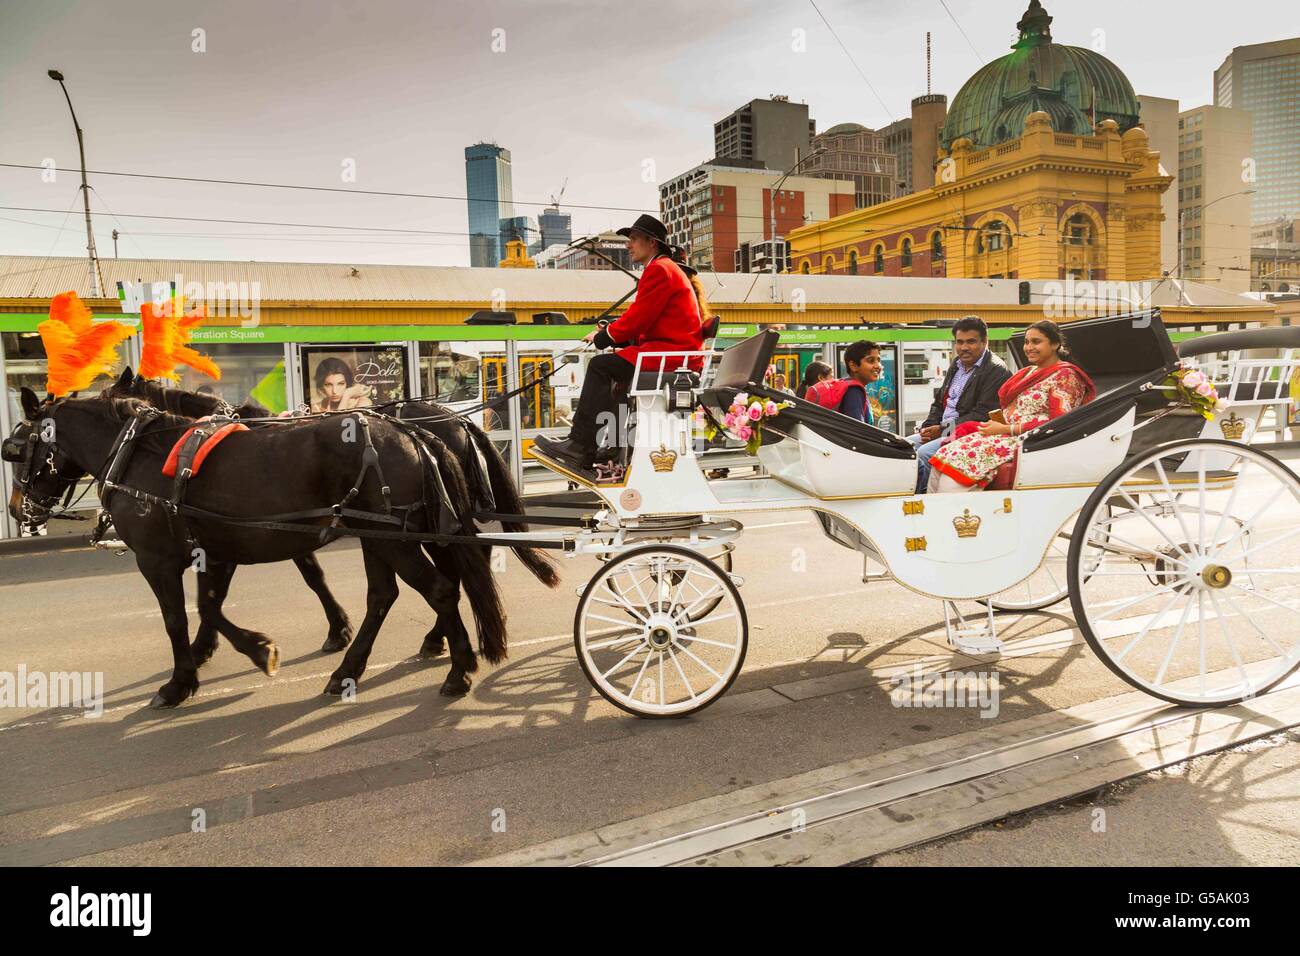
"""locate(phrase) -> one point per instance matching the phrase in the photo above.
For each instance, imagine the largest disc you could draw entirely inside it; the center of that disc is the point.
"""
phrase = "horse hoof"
(160, 702)
(432, 648)
(337, 686)
(337, 640)
(268, 660)
(452, 687)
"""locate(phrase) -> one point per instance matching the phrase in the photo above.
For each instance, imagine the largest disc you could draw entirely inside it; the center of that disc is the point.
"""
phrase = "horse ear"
(31, 404)
(125, 379)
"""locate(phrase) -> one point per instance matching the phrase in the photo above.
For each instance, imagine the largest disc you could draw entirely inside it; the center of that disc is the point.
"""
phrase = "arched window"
(853, 262)
(993, 237)
(880, 260)
(907, 253)
(1079, 231)
(828, 264)
(805, 268)
(936, 246)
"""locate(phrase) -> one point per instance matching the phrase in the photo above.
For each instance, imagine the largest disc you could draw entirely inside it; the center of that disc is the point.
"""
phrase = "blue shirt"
(855, 405)
(958, 384)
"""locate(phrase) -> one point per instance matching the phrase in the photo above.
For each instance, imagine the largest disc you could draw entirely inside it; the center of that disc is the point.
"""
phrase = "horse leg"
(442, 593)
(381, 592)
(214, 584)
(205, 641)
(164, 578)
(434, 642)
(340, 634)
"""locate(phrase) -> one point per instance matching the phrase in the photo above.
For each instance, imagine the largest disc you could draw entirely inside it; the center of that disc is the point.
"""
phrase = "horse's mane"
(184, 402)
(161, 433)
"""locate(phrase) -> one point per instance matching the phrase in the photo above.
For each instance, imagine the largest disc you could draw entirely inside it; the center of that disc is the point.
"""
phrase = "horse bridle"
(30, 466)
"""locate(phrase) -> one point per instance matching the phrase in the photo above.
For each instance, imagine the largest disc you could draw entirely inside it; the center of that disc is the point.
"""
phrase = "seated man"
(848, 396)
(666, 317)
(969, 392)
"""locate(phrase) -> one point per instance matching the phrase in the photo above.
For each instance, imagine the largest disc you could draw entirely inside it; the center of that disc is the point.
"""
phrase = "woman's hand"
(988, 429)
(590, 336)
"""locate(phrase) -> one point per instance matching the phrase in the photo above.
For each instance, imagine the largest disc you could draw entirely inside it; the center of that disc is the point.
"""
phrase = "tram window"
(249, 372)
(447, 374)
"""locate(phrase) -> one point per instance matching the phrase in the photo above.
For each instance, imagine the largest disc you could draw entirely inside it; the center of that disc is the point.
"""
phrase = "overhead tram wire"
(888, 111)
(978, 56)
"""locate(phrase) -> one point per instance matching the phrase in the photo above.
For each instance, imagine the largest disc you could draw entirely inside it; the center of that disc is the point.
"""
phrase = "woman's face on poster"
(333, 388)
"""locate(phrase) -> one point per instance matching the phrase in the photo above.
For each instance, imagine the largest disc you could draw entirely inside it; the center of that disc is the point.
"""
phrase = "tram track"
(853, 811)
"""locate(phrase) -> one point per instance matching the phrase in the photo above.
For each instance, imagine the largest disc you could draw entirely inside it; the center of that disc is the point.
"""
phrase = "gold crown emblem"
(1233, 427)
(967, 524)
(664, 459)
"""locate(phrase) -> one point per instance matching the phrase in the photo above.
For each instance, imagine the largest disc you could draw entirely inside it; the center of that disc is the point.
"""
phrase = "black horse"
(305, 465)
(490, 485)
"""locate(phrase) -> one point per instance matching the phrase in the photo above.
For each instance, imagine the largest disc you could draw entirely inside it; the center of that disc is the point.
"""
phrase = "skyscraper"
(1213, 201)
(556, 226)
(489, 198)
(1264, 78)
(775, 132)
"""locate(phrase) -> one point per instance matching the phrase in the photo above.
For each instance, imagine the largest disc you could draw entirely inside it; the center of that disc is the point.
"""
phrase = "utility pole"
(96, 280)
(114, 243)
(772, 237)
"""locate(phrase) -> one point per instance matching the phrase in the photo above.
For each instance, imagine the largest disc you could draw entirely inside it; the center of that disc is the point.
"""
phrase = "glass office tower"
(1265, 79)
(490, 200)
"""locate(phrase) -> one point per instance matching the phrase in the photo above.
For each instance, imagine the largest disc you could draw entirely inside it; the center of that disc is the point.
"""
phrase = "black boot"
(567, 451)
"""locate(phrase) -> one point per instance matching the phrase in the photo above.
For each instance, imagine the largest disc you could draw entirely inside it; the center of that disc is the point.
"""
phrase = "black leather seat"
(742, 369)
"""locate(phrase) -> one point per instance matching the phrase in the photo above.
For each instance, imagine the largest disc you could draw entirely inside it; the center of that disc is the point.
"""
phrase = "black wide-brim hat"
(649, 225)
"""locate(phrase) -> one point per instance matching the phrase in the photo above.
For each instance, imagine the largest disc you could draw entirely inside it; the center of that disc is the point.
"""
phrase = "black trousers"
(603, 372)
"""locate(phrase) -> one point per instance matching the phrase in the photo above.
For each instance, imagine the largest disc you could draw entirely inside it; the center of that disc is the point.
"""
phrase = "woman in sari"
(1045, 389)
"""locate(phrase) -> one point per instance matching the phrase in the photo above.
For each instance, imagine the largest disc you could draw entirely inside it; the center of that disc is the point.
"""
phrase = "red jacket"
(664, 318)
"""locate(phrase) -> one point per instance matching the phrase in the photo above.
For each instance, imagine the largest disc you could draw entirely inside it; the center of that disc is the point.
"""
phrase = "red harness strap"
(169, 467)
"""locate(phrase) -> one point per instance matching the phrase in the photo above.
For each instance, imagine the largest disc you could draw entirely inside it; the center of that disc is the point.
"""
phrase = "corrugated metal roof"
(43, 277)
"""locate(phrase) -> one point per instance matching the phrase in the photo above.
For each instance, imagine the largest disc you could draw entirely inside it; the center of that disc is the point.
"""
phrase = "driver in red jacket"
(664, 318)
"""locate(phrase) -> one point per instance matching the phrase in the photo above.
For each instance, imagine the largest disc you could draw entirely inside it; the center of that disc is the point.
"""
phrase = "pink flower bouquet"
(1194, 388)
(745, 418)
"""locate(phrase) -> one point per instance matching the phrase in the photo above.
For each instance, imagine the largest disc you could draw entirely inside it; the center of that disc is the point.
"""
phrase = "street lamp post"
(1179, 264)
(95, 281)
(772, 235)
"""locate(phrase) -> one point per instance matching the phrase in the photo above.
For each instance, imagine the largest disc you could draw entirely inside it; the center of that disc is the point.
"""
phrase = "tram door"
(787, 364)
(536, 403)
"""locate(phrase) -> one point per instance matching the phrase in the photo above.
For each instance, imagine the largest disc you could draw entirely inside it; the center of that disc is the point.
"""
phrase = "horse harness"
(177, 508)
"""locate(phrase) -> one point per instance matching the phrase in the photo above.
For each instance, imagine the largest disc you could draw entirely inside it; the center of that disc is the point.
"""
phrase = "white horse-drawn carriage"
(1177, 544)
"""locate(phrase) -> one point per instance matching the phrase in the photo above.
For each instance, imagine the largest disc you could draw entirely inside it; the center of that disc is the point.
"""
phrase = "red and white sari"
(1029, 398)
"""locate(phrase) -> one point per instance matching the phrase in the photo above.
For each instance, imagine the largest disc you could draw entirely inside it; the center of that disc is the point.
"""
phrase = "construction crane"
(555, 200)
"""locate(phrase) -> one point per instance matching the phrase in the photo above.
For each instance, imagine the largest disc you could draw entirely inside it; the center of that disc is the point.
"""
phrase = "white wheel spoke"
(682, 674)
(631, 691)
(1159, 530)
(687, 652)
(1147, 628)
(1120, 608)
(1266, 544)
(1250, 522)
(707, 595)
(1264, 597)
(1232, 499)
(704, 640)
(1173, 644)
(630, 654)
(1223, 626)
(1173, 503)
(601, 645)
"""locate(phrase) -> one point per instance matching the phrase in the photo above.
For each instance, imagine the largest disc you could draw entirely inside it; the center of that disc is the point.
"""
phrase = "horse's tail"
(508, 501)
(469, 563)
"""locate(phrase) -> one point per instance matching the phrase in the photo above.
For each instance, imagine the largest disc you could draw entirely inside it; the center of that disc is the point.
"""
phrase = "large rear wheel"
(1185, 578)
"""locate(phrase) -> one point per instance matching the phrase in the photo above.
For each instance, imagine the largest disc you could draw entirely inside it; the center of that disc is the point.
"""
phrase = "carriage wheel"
(722, 557)
(1188, 586)
(1050, 582)
(642, 640)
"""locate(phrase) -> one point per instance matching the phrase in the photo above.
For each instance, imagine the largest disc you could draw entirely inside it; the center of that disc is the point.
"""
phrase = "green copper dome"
(1078, 88)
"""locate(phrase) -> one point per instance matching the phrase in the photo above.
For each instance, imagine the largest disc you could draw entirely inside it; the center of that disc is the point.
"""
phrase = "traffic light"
(1024, 293)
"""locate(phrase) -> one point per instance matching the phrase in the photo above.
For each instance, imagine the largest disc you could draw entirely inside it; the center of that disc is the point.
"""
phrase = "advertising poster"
(337, 379)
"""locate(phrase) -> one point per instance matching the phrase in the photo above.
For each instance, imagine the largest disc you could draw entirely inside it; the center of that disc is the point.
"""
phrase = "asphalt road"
(259, 770)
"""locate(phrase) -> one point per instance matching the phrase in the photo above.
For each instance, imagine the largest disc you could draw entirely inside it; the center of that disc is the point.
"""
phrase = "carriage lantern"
(681, 390)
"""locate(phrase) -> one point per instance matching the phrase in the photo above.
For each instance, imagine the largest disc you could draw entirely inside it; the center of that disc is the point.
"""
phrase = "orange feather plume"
(78, 349)
(165, 337)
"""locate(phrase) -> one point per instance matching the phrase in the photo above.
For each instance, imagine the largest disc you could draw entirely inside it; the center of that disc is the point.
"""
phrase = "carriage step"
(976, 635)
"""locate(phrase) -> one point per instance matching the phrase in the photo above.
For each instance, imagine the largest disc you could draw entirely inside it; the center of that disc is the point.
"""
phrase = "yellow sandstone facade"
(1045, 205)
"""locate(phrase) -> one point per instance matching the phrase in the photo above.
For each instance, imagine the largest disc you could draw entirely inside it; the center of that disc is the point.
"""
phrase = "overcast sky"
(593, 91)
